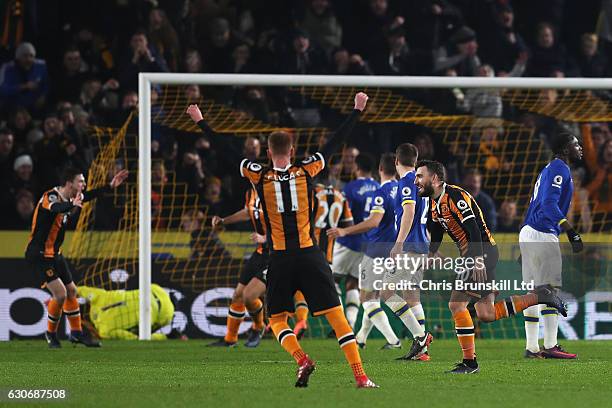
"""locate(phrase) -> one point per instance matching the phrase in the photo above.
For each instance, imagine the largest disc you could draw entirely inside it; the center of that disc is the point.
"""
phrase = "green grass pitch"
(177, 373)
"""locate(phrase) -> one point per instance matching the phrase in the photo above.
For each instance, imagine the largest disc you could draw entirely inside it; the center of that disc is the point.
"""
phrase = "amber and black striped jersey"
(252, 204)
(49, 221)
(455, 211)
(332, 210)
(287, 200)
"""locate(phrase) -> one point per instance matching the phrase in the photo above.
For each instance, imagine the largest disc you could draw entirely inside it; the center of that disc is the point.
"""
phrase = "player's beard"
(426, 191)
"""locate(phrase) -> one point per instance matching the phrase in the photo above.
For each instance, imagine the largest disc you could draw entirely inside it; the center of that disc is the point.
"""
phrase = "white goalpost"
(146, 80)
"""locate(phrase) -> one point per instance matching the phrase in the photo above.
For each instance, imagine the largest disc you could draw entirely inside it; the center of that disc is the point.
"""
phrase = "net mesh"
(190, 256)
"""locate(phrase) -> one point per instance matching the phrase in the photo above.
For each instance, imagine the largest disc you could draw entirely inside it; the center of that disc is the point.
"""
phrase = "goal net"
(498, 135)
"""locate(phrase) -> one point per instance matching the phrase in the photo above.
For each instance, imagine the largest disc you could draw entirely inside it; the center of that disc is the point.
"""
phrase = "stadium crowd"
(67, 65)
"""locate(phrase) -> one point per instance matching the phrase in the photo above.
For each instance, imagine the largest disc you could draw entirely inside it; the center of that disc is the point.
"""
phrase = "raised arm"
(222, 143)
(341, 134)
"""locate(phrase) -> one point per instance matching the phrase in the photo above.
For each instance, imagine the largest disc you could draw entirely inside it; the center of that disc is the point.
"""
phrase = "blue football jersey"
(380, 240)
(417, 240)
(356, 193)
(551, 198)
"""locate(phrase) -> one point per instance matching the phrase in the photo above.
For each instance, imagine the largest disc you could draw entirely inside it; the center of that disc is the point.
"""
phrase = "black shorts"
(49, 269)
(255, 267)
(491, 256)
(306, 270)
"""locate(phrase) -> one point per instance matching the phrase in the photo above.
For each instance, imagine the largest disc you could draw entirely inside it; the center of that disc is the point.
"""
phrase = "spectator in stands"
(548, 56)
(490, 155)
(99, 100)
(394, 58)
(429, 23)
(346, 64)
(67, 84)
(591, 63)
(472, 181)
(21, 123)
(141, 57)
(7, 153)
(53, 152)
(192, 62)
(21, 214)
(220, 47)
(303, 57)
(507, 220)
(321, 23)
(600, 187)
(212, 197)
(252, 149)
(23, 178)
(487, 103)
(580, 209)
(461, 54)
(164, 38)
(191, 171)
(503, 45)
(367, 34)
(348, 163)
(241, 59)
(24, 81)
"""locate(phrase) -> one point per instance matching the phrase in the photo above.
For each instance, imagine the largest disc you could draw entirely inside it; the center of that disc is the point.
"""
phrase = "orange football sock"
(301, 307)
(73, 313)
(346, 339)
(464, 327)
(514, 304)
(235, 316)
(256, 312)
(54, 313)
(285, 336)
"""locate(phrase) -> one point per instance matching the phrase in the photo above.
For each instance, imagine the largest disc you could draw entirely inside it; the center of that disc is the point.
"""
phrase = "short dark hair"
(364, 163)
(280, 142)
(560, 140)
(407, 154)
(434, 167)
(387, 164)
(69, 174)
(5, 131)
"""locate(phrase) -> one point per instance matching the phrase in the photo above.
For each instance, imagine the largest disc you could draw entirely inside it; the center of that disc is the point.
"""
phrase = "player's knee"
(238, 297)
(456, 307)
(486, 316)
(71, 292)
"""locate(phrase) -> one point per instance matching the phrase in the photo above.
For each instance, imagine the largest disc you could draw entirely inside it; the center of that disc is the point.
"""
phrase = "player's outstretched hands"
(217, 222)
(336, 232)
(119, 178)
(361, 99)
(194, 113)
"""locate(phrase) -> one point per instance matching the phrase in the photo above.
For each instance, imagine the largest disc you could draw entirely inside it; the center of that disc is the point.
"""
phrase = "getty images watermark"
(405, 272)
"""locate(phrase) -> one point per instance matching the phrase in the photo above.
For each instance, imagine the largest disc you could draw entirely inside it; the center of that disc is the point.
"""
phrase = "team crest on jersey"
(254, 167)
(49, 272)
(52, 198)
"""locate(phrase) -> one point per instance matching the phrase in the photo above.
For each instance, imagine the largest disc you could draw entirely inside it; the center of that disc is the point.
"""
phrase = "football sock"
(514, 304)
(301, 307)
(551, 326)
(532, 323)
(405, 313)
(377, 315)
(464, 326)
(54, 313)
(285, 336)
(365, 329)
(73, 313)
(352, 306)
(255, 309)
(346, 339)
(419, 313)
(235, 316)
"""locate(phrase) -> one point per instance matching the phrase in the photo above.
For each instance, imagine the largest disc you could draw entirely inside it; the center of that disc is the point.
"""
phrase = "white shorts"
(541, 257)
(346, 261)
(412, 273)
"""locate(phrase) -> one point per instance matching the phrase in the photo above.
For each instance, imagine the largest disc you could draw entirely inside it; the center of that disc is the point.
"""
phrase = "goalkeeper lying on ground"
(114, 313)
